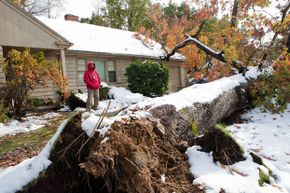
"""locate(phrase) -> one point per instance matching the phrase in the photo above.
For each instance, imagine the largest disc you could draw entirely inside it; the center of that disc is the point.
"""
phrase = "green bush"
(148, 78)
(104, 93)
(36, 102)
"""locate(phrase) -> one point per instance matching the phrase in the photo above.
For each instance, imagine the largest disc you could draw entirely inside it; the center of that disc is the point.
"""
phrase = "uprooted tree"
(24, 71)
(138, 155)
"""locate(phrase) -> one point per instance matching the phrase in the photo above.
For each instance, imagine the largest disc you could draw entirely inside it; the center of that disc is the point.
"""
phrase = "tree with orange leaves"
(237, 36)
(23, 72)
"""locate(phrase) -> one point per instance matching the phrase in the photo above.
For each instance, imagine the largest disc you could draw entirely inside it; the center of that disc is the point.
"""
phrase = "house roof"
(98, 39)
(60, 41)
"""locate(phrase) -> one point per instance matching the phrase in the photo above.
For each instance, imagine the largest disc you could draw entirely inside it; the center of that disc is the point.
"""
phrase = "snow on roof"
(93, 38)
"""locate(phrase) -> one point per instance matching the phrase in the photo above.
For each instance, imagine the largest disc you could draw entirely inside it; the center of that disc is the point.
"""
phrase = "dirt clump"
(64, 174)
(225, 149)
(134, 158)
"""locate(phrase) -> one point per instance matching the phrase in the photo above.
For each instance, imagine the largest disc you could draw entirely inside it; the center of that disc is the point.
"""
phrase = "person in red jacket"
(93, 82)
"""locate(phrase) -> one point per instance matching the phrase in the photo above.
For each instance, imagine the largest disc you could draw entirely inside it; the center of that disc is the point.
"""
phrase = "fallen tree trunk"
(203, 116)
(206, 115)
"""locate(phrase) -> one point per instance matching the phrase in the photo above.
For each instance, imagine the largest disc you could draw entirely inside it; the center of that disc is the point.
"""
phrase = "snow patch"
(163, 178)
(64, 109)
(30, 123)
(125, 96)
(89, 125)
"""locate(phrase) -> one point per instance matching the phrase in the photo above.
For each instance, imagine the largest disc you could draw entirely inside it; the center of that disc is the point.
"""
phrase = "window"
(100, 68)
(81, 67)
(111, 71)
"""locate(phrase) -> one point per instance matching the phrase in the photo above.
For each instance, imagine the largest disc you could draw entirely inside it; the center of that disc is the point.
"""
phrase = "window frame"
(78, 71)
(108, 71)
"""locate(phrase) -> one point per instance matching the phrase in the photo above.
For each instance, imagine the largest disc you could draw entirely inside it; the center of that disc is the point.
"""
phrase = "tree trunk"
(235, 14)
(202, 115)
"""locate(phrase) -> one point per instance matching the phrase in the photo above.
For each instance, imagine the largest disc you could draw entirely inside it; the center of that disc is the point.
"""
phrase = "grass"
(34, 140)
(264, 178)
(222, 127)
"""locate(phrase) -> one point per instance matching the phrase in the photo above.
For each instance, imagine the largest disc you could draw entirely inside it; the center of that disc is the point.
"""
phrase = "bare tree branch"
(283, 16)
(192, 40)
(262, 10)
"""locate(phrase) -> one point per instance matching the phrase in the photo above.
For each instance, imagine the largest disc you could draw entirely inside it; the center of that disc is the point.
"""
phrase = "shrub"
(23, 72)
(104, 93)
(36, 102)
(271, 91)
(148, 78)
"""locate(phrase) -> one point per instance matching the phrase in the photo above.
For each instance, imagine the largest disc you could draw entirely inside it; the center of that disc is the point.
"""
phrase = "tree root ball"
(134, 159)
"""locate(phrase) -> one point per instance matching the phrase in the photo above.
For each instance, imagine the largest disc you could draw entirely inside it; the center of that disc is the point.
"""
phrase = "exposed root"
(134, 159)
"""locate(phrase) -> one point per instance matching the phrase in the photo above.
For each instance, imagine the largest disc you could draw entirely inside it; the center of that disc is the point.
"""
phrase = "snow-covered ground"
(121, 98)
(30, 123)
(267, 135)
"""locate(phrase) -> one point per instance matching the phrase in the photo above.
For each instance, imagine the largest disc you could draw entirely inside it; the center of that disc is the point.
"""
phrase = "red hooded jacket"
(91, 77)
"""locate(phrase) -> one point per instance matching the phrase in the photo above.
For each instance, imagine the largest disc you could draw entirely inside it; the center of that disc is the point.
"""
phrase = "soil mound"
(137, 159)
(134, 157)
(225, 149)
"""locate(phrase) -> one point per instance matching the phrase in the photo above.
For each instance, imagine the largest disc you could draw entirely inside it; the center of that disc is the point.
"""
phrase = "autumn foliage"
(271, 90)
(239, 28)
(23, 72)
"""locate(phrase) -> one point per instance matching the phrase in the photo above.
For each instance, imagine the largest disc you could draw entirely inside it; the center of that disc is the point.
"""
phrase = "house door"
(100, 67)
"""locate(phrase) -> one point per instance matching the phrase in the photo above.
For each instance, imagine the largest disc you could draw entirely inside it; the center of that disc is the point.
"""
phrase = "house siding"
(19, 30)
(121, 66)
(48, 90)
(176, 72)
(176, 75)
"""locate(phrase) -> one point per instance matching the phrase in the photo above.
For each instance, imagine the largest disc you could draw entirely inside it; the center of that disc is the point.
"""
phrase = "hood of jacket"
(91, 63)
